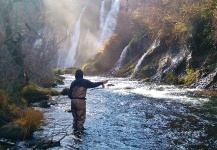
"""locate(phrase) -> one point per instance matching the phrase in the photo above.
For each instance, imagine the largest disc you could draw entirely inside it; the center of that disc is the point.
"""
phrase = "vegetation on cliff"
(188, 41)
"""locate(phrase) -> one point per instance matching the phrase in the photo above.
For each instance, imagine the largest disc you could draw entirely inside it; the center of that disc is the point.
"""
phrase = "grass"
(30, 121)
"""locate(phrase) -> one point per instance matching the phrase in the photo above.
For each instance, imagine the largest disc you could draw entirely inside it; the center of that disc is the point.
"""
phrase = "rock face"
(208, 81)
(12, 132)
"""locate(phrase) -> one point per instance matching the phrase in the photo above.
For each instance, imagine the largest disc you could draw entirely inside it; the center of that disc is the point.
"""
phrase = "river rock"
(43, 145)
(128, 88)
(68, 110)
(110, 85)
(52, 102)
(12, 132)
(44, 104)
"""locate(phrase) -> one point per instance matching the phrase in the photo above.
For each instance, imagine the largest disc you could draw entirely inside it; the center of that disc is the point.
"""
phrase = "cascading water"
(38, 43)
(102, 15)
(120, 61)
(171, 61)
(110, 22)
(155, 44)
(178, 59)
(70, 60)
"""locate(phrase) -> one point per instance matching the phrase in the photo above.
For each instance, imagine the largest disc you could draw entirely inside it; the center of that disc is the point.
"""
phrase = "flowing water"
(70, 60)
(121, 59)
(102, 15)
(155, 44)
(108, 27)
(132, 115)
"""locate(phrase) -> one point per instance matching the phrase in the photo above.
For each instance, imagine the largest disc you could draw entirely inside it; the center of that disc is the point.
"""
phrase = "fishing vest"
(79, 92)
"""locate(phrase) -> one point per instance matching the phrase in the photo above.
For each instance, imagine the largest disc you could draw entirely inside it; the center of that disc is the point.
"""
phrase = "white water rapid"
(108, 27)
(155, 44)
(70, 60)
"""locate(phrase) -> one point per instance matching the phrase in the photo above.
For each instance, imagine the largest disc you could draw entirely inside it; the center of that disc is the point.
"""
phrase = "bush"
(57, 71)
(146, 80)
(30, 121)
(191, 76)
(171, 78)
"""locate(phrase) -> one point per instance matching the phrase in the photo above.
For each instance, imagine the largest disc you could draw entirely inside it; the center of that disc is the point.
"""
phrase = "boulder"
(12, 132)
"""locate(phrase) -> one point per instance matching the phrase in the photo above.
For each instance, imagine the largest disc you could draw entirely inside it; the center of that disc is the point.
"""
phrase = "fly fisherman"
(77, 94)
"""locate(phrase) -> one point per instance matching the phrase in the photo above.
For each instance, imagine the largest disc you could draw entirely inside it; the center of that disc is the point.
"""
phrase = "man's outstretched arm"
(90, 84)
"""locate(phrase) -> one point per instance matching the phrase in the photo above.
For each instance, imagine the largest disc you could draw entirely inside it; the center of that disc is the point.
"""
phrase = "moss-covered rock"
(33, 93)
(65, 91)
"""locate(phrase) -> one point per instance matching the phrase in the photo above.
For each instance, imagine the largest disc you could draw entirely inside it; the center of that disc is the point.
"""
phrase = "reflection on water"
(133, 115)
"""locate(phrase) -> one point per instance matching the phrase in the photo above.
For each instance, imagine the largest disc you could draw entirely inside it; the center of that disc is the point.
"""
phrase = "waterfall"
(70, 60)
(177, 59)
(121, 59)
(102, 15)
(172, 61)
(38, 43)
(110, 22)
(155, 44)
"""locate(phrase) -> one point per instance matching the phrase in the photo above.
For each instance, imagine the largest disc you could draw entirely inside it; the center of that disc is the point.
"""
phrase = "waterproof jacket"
(79, 88)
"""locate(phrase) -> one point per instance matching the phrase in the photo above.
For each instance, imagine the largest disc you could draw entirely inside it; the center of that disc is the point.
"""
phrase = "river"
(132, 115)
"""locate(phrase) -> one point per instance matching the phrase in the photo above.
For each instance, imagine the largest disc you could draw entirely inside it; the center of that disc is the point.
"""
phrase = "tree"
(28, 47)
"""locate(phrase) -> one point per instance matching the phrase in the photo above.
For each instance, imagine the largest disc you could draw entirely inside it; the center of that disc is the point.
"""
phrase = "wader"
(78, 107)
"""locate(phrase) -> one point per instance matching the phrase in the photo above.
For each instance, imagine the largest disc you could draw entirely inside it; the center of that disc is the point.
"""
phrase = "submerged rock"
(110, 85)
(44, 104)
(128, 88)
(52, 102)
(43, 144)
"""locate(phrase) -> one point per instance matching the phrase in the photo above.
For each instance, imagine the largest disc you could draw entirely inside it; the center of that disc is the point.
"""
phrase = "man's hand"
(105, 81)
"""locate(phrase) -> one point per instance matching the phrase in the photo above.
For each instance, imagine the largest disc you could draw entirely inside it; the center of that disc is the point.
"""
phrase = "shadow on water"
(131, 115)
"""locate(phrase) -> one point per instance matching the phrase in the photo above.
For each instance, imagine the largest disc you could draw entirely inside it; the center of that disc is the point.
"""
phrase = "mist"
(62, 17)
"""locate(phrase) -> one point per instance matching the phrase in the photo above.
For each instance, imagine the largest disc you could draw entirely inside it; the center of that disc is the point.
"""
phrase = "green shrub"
(171, 78)
(146, 80)
(181, 81)
(191, 76)
(57, 71)
(144, 69)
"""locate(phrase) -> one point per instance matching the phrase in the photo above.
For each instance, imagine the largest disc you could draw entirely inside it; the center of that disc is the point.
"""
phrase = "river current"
(128, 114)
